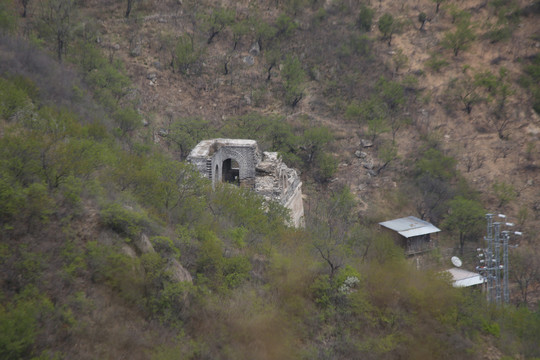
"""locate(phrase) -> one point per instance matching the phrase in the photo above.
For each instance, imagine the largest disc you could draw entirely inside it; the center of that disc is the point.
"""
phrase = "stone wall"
(263, 172)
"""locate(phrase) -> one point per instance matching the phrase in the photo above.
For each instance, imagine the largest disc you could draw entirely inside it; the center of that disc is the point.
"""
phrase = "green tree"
(498, 89)
(387, 153)
(239, 29)
(186, 133)
(127, 119)
(373, 113)
(216, 21)
(294, 76)
(285, 26)
(461, 38)
(8, 20)
(184, 54)
(314, 142)
(504, 192)
(20, 323)
(56, 23)
(466, 217)
(388, 26)
(364, 20)
(392, 94)
(422, 18)
(331, 223)
(438, 3)
(465, 91)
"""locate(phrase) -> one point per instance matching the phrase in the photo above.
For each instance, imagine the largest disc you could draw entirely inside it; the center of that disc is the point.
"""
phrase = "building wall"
(265, 173)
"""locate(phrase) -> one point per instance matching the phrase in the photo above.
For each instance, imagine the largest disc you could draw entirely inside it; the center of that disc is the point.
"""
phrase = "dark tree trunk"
(128, 9)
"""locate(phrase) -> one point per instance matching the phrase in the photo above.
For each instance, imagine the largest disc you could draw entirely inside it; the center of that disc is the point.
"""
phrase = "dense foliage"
(110, 247)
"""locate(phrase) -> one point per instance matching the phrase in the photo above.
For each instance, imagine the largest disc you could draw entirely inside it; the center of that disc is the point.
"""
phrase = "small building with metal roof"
(465, 278)
(412, 233)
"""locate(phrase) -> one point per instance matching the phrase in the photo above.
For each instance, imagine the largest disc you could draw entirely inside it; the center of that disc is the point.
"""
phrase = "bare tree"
(525, 272)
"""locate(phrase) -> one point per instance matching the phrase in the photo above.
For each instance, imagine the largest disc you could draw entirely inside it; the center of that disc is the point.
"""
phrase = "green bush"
(171, 303)
(504, 192)
(294, 76)
(8, 16)
(285, 26)
(122, 220)
(12, 99)
(365, 18)
(236, 270)
(19, 324)
(436, 63)
(164, 246)
(127, 119)
(326, 166)
(109, 265)
(185, 54)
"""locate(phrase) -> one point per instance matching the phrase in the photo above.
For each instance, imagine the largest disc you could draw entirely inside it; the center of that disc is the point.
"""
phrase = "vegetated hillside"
(112, 248)
(461, 80)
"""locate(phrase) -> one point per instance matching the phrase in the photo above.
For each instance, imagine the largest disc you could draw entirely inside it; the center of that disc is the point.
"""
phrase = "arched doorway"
(230, 172)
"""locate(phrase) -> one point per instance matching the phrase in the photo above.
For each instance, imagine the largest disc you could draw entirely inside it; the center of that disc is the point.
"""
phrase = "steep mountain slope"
(110, 247)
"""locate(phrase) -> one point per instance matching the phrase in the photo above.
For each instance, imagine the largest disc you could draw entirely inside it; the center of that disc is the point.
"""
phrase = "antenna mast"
(490, 260)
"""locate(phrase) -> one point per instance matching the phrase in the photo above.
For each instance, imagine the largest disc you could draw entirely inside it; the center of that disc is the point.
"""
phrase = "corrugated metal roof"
(410, 226)
(464, 278)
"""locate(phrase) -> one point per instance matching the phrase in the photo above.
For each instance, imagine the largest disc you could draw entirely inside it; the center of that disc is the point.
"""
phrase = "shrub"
(184, 54)
(365, 18)
(170, 304)
(127, 119)
(294, 76)
(8, 16)
(326, 166)
(504, 192)
(12, 99)
(236, 270)
(119, 271)
(122, 220)
(19, 323)
(165, 246)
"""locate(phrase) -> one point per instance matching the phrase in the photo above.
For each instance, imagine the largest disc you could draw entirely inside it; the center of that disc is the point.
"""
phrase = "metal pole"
(488, 258)
(496, 262)
(506, 266)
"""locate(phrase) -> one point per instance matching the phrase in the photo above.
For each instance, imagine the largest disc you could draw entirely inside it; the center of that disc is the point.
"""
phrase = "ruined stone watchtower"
(240, 162)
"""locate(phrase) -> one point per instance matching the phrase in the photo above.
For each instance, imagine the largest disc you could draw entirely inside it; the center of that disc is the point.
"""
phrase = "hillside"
(111, 246)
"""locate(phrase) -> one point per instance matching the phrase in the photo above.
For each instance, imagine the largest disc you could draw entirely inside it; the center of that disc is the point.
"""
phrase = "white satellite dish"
(456, 261)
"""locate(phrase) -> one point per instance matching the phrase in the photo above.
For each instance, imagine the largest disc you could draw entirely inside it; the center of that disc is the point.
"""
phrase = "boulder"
(248, 60)
(177, 272)
(360, 154)
(143, 244)
(366, 143)
(255, 49)
(136, 51)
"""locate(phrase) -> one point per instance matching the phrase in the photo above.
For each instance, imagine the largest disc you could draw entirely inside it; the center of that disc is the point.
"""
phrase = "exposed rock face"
(240, 162)
(177, 272)
(143, 244)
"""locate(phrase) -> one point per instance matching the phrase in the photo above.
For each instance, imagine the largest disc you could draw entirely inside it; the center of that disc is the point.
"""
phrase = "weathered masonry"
(240, 162)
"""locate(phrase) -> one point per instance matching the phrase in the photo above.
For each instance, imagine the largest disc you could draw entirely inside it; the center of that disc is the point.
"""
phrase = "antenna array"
(490, 260)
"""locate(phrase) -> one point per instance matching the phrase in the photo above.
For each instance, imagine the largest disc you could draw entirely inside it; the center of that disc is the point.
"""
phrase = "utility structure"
(490, 265)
